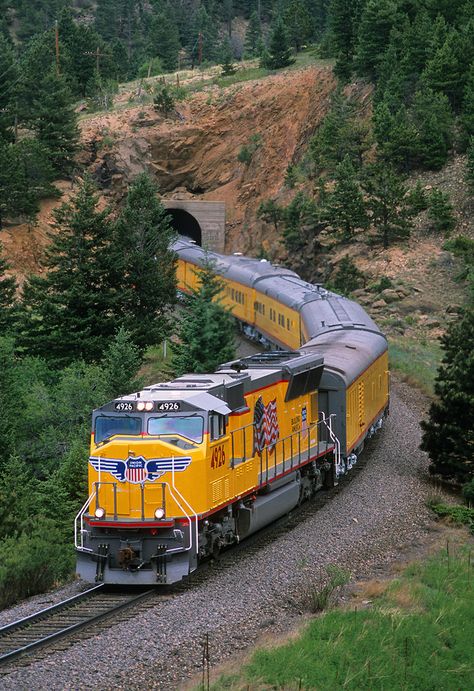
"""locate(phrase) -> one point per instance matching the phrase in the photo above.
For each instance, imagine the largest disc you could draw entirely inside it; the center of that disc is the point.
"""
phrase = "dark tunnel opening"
(185, 224)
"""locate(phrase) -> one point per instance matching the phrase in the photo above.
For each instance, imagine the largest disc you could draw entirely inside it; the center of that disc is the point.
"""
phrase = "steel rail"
(87, 619)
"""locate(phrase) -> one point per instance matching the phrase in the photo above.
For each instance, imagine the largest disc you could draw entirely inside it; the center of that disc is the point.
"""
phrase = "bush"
(320, 596)
(468, 491)
(347, 277)
(33, 561)
(163, 100)
(247, 151)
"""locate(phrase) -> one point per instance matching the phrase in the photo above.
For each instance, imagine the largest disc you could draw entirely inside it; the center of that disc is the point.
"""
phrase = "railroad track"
(57, 625)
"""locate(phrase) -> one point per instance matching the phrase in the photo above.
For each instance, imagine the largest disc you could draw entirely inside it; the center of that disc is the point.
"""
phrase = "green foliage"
(56, 123)
(468, 494)
(440, 212)
(69, 313)
(7, 297)
(347, 277)
(341, 133)
(417, 199)
(301, 221)
(298, 23)
(120, 366)
(270, 212)
(343, 21)
(460, 515)
(321, 595)
(164, 40)
(387, 202)
(247, 151)
(411, 637)
(206, 329)
(227, 64)
(463, 247)
(144, 265)
(448, 433)
(378, 19)
(163, 99)
(278, 54)
(33, 561)
(253, 37)
(345, 208)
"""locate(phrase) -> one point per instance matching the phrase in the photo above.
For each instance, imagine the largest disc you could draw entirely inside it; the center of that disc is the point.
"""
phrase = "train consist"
(181, 469)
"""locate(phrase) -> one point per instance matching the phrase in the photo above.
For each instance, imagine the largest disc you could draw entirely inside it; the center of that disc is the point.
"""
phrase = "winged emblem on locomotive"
(137, 469)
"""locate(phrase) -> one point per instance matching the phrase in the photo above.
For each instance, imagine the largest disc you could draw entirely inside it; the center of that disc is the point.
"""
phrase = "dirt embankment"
(194, 154)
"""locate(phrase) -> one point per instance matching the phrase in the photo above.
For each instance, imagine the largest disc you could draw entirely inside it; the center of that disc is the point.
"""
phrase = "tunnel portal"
(186, 225)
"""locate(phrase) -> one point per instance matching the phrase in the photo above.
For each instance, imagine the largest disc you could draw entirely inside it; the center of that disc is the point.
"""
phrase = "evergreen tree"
(386, 202)
(440, 212)
(341, 133)
(206, 327)
(445, 71)
(226, 58)
(343, 22)
(120, 365)
(416, 199)
(279, 52)
(71, 312)
(17, 196)
(377, 20)
(7, 297)
(448, 433)
(347, 277)
(467, 116)
(164, 41)
(345, 210)
(396, 136)
(434, 123)
(145, 264)
(8, 79)
(56, 122)
(298, 23)
(253, 36)
(203, 37)
(107, 19)
(301, 223)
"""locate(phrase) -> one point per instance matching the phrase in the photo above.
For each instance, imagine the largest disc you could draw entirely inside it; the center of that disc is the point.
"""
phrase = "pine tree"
(8, 88)
(386, 202)
(7, 297)
(145, 264)
(163, 41)
(433, 119)
(227, 65)
(17, 196)
(206, 329)
(377, 20)
(298, 23)
(301, 223)
(445, 71)
(120, 365)
(71, 312)
(253, 36)
(56, 122)
(279, 52)
(440, 212)
(448, 433)
(396, 135)
(343, 22)
(345, 210)
(467, 116)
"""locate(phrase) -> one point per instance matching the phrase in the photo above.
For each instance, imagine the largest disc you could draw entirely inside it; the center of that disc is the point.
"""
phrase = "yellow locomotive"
(183, 468)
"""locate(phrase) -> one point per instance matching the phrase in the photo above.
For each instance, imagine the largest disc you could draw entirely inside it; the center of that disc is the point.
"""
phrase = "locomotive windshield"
(190, 427)
(108, 425)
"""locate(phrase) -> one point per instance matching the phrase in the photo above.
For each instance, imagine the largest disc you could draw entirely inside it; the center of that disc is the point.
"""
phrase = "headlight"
(145, 405)
(159, 513)
(99, 512)
(149, 405)
(141, 405)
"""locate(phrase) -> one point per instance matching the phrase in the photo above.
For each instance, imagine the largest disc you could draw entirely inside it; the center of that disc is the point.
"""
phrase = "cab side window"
(217, 426)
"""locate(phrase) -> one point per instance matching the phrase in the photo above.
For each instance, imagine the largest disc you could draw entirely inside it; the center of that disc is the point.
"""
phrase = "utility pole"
(97, 54)
(200, 48)
(56, 36)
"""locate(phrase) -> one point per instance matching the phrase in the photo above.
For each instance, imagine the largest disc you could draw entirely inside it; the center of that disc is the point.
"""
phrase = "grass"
(415, 361)
(417, 635)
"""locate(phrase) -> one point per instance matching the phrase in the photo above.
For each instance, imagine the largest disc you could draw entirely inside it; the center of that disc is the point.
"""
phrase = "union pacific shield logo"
(137, 469)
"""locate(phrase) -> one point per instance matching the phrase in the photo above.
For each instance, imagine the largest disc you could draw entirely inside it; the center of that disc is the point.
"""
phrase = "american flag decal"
(267, 431)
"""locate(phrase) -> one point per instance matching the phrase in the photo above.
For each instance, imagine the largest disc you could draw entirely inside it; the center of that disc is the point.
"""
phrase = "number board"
(168, 406)
(123, 407)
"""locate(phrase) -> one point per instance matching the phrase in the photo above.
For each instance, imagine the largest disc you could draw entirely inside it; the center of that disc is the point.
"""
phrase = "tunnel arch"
(185, 224)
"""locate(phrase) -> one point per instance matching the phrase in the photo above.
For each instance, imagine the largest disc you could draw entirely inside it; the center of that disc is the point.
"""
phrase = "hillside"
(194, 154)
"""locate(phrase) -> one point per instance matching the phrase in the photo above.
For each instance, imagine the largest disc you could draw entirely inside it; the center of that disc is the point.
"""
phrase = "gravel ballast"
(366, 525)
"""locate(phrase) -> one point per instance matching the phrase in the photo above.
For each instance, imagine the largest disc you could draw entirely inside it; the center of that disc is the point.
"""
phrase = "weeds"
(321, 595)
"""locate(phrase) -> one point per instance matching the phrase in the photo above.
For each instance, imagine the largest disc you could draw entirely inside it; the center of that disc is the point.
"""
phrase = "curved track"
(55, 624)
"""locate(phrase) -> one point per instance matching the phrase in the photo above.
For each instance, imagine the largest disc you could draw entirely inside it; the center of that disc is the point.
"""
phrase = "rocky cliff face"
(195, 153)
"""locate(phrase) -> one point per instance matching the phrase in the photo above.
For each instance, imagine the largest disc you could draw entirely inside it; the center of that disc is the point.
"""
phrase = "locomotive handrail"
(337, 444)
(80, 516)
